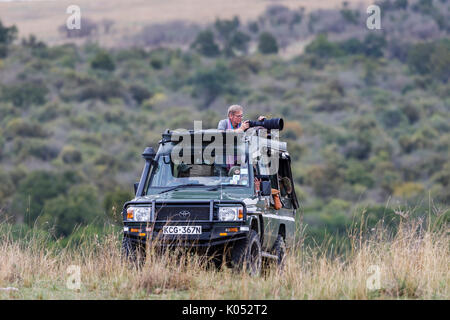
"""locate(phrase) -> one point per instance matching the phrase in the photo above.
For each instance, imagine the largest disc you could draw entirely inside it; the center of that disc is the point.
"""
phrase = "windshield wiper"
(182, 186)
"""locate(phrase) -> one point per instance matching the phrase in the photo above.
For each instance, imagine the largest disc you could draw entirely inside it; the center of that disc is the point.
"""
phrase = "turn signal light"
(135, 230)
(129, 214)
(223, 234)
(241, 214)
(231, 230)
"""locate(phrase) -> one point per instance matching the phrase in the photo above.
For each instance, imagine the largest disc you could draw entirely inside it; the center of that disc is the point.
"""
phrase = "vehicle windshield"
(222, 170)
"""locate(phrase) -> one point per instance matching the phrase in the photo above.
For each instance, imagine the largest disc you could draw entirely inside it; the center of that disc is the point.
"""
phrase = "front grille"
(191, 212)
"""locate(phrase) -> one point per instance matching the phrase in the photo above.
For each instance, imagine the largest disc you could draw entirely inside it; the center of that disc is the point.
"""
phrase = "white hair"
(234, 108)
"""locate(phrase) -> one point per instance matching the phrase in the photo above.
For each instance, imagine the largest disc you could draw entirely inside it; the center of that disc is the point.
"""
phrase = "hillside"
(367, 111)
(43, 18)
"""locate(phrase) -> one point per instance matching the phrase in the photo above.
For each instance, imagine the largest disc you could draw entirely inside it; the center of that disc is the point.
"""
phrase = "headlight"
(138, 213)
(231, 213)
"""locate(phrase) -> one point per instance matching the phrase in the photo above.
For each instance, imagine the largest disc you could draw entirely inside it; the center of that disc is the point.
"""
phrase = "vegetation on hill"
(367, 112)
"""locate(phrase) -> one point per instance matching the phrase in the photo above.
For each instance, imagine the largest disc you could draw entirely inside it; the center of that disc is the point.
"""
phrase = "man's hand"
(244, 126)
(261, 118)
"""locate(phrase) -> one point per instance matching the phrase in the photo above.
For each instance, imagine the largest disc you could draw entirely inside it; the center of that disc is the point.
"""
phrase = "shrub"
(239, 41)
(114, 201)
(323, 48)
(25, 94)
(23, 128)
(102, 90)
(351, 46)
(440, 60)
(140, 93)
(103, 61)
(267, 44)
(71, 155)
(431, 58)
(37, 148)
(351, 16)
(6, 186)
(408, 190)
(211, 83)
(205, 45)
(392, 118)
(374, 45)
(78, 207)
(325, 180)
(36, 188)
(226, 28)
(7, 36)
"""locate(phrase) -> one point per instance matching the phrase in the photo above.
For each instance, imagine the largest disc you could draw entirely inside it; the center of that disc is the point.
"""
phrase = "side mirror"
(136, 185)
(266, 188)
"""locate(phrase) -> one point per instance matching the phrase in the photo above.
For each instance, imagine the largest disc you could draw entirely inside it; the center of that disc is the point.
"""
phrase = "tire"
(133, 253)
(246, 254)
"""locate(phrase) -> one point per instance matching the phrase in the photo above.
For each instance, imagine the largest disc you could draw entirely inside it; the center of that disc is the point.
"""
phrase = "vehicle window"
(226, 171)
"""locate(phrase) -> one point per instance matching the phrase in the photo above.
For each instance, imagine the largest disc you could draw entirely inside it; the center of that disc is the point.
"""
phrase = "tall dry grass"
(412, 263)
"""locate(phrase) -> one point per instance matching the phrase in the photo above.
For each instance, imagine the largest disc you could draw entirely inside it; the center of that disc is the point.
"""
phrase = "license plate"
(182, 230)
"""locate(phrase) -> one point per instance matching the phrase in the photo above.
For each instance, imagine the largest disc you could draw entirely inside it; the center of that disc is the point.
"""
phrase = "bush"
(7, 36)
(102, 90)
(408, 190)
(6, 186)
(38, 187)
(431, 58)
(70, 155)
(393, 118)
(114, 201)
(323, 48)
(103, 61)
(140, 93)
(25, 94)
(78, 207)
(37, 148)
(267, 44)
(205, 45)
(211, 83)
(239, 41)
(374, 45)
(23, 128)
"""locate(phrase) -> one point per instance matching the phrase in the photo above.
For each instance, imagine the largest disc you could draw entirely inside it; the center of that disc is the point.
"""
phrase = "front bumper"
(213, 234)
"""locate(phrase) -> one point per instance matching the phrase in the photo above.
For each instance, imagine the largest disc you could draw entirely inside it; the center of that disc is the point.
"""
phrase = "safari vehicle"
(216, 190)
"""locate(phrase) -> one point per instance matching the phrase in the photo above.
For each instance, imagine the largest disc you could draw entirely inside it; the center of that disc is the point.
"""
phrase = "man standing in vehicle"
(234, 121)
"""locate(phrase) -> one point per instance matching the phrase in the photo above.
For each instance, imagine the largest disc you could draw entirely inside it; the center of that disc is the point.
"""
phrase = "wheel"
(280, 252)
(133, 253)
(246, 254)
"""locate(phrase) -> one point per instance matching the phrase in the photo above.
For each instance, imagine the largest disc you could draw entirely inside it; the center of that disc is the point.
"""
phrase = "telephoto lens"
(275, 123)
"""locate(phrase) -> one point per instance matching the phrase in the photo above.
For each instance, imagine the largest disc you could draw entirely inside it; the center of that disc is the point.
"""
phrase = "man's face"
(236, 117)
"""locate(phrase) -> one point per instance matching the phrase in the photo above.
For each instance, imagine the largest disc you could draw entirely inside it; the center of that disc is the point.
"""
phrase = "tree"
(374, 45)
(38, 187)
(114, 201)
(226, 28)
(213, 82)
(7, 36)
(323, 48)
(267, 43)
(239, 41)
(103, 61)
(431, 58)
(440, 60)
(76, 208)
(205, 45)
